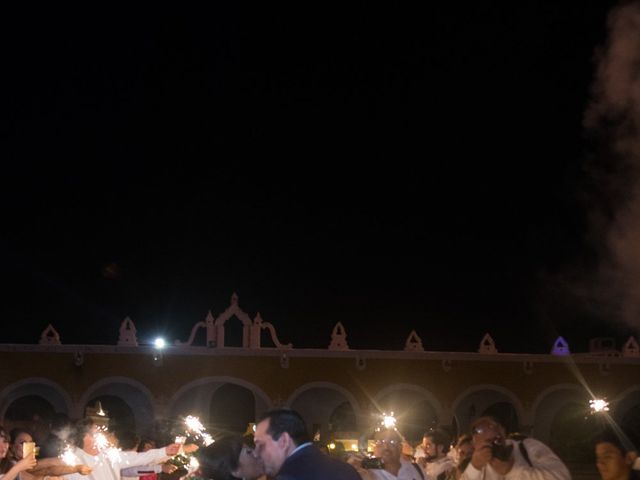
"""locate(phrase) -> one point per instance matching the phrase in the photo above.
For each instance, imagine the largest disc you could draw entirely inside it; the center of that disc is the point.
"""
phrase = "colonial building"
(336, 389)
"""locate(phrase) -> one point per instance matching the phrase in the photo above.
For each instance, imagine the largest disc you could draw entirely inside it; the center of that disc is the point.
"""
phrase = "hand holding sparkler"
(172, 449)
(83, 469)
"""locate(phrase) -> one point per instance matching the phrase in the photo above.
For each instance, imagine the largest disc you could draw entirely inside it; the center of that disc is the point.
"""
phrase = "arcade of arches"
(335, 391)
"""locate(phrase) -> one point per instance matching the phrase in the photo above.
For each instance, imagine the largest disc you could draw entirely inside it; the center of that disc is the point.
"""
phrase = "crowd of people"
(281, 449)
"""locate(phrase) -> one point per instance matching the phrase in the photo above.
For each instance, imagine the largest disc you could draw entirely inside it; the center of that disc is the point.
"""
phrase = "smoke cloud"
(613, 120)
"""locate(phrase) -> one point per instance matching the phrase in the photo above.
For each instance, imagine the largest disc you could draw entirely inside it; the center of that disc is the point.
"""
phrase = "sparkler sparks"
(195, 427)
(598, 405)
(68, 457)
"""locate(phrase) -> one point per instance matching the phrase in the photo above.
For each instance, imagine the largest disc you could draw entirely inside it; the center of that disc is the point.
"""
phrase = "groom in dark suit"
(286, 450)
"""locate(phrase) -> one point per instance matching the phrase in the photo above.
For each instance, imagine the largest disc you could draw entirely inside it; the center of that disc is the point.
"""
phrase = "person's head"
(17, 438)
(278, 434)
(146, 444)
(85, 436)
(487, 430)
(4, 443)
(464, 447)
(388, 446)
(614, 457)
(128, 440)
(230, 457)
(435, 444)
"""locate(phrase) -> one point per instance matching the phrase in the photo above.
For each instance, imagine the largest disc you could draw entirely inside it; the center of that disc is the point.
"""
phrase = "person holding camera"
(388, 463)
(495, 456)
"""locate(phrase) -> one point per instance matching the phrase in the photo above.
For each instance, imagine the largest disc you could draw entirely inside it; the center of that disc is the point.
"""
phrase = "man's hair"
(82, 428)
(439, 437)
(289, 421)
(623, 441)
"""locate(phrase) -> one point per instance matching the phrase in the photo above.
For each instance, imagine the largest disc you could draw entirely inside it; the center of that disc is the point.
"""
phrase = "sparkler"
(68, 457)
(195, 427)
(598, 405)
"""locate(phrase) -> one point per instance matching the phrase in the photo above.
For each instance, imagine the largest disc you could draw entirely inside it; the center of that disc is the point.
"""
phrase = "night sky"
(389, 167)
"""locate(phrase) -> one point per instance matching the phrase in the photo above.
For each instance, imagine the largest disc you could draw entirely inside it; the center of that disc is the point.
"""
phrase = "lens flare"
(599, 405)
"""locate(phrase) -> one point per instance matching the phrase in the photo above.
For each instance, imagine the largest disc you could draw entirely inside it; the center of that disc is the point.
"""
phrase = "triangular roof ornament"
(50, 337)
(234, 299)
(338, 338)
(209, 320)
(127, 333)
(413, 343)
(560, 347)
(631, 348)
(487, 345)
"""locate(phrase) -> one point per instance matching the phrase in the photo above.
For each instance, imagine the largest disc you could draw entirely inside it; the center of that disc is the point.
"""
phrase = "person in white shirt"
(435, 461)
(495, 457)
(107, 463)
(388, 448)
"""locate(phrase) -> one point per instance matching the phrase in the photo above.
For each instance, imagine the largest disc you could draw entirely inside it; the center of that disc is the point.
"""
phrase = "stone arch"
(133, 393)
(474, 401)
(59, 399)
(318, 401)
(415, 408)
(549, 403)
(196, 396)
(625, 408)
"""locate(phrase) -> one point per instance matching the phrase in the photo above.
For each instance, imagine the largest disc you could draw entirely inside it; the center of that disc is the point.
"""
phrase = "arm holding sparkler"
(54, 467)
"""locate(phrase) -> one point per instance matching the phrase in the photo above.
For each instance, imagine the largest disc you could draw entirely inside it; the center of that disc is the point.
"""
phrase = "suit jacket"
(309, 463)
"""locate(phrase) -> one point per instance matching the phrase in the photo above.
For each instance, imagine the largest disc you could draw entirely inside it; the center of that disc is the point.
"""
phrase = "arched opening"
(487, 401)
(30, 412)
(120, 415)
(572, 432)
(233, 332)
(631, 420)
(414, 414)
(326, 411)
(232, 408)
(343, 419)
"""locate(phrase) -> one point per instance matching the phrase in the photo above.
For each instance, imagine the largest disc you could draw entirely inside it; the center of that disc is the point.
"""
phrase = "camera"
(372, 462)
(501, 451)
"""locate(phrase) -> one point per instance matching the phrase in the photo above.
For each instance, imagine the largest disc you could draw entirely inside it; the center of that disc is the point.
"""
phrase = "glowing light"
(99, 409)
(159, 343)
(101, 440)
(197, 429)
(180, 439)
(388, 421)
(114, 455)
(194, 424)
(68, 457)
(193, 464)
(354, 446)
(599, 405)
(332, 446)
(207, 439)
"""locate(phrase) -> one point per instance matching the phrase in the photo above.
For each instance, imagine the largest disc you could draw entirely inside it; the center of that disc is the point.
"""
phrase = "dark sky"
(381, 165)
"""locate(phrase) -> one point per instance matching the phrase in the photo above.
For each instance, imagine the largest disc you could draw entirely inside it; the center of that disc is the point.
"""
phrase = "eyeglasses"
(385, 441)
(487, 427)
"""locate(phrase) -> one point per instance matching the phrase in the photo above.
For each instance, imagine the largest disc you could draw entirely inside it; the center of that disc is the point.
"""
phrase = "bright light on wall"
(159, 343)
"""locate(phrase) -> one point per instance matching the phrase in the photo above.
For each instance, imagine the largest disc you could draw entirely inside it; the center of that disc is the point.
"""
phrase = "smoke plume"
(613, 120)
